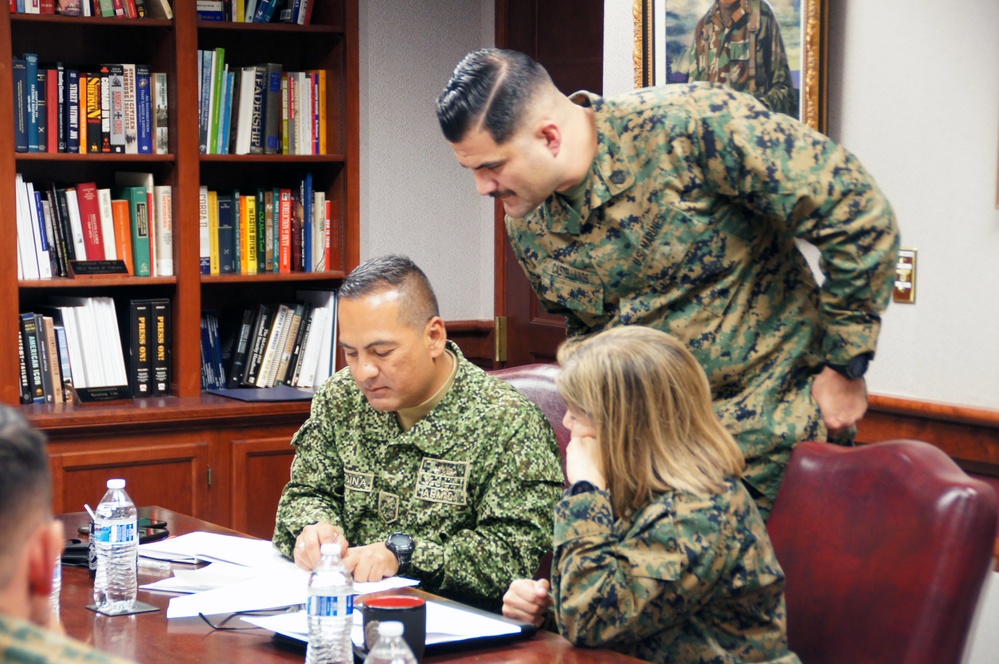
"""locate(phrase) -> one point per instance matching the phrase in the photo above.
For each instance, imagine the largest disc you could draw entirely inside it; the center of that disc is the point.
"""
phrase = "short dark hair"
(25, 481)
(492, 84)
(394, 272)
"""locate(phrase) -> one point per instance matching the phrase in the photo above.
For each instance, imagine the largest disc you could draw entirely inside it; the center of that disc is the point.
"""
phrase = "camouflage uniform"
(473, 482)
(22, 641)
(688, 223)
(685, 580)
(748, 55)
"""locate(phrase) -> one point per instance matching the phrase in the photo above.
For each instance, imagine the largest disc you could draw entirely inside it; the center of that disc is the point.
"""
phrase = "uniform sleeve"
(315, 492)
(514, 520)
(781, 96)
(608, 590)
(789, 175)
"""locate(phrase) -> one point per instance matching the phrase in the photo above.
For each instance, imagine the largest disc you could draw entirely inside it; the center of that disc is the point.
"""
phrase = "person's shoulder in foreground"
(29, 630)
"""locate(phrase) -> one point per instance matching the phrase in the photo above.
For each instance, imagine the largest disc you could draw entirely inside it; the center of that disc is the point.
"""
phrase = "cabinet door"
(260, 469)
(174, 476)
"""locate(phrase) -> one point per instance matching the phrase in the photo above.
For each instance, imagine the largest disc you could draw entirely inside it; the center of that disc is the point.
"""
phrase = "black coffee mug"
(410, 611)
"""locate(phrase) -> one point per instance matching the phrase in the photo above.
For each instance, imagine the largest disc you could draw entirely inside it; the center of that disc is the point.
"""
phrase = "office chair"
(886, 548)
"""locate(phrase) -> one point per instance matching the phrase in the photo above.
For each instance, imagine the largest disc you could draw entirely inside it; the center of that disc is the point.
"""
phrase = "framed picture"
(773, 49)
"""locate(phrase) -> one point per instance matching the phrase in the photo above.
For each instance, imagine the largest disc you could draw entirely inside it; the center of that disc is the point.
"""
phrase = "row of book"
(271, 230)
(256, 11)
(75, 344)
(259, 109)
(103, 8)
(112, 108)
(131, 222)
(275, 344)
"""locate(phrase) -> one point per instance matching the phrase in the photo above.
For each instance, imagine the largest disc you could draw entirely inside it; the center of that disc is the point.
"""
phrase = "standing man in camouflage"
(678, 208)
(29, 630)
(738, 42)
(415, 459)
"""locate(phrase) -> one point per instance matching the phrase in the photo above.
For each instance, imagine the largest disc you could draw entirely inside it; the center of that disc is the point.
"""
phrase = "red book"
(90, 218)
(52, 110)
(328, 212)
(46, 7)
(119, 9)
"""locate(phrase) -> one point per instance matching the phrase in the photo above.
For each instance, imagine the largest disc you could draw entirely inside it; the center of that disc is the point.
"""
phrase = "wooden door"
(566, 36)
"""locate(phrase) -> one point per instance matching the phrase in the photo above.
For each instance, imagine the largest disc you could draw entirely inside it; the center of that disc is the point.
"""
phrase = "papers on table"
(445, 624)
(246, 575)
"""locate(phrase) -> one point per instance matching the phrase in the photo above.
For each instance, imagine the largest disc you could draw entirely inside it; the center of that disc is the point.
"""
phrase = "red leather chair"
(886, 548)
(537, 383)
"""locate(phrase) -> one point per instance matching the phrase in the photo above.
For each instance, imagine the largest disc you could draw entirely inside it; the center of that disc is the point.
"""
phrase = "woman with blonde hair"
(659, 550)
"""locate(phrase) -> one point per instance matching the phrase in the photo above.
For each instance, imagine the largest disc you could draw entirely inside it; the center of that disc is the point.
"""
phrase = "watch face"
(400, 543)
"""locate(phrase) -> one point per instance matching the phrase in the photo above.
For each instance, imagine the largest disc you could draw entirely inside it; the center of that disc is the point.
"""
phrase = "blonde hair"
(650, 404)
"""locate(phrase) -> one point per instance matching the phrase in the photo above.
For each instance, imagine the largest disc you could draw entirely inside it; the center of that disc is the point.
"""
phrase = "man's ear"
(550, 133)
(436, 336)
(46, 546)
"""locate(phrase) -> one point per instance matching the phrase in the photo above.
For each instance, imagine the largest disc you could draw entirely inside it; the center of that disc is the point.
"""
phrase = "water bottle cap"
(330, 549)
(116, 484)
(390, 628)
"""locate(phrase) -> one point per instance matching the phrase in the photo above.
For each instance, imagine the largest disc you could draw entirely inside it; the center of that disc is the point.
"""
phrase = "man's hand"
(581, 462)
(373, 562)
(527, 600)
(311, 538)
(842, 401)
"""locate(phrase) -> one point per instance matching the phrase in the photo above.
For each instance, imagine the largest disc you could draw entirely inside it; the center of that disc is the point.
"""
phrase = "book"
(61, 119)
(65, 370)
(82, 111)
(143, 110)
(122, 217)
(90, 220)
(226, 235)
(161, 112)
(294, 363)
(52, 109)
(215, 257)
(54, 386)
(244, 117)
(60, 231)
(93, 96)
(159, 9)
(163, 229)
(272, 109)
(31, 81)
(32, 360)
(257, 113)
(140, 348)
(161, 325)
(130, 116)
(20, 72)
(274, 346)
(106, 214)
(241, 349)
(270, 196)
(216, 102)
(76, 225)
(258, 343)
(205, 59)
(72, 110)
(116, 90)
(248, 221)
(138, 213)
(105, 108)
(42, 110)
(25, 387)
(288, 337)
(204, 243)
(27, 251)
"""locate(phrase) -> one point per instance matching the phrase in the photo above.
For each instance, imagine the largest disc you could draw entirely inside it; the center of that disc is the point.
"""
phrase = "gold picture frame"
(811, 74)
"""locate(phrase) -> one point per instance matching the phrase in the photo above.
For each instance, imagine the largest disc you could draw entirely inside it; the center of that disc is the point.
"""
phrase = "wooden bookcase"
(184, 450)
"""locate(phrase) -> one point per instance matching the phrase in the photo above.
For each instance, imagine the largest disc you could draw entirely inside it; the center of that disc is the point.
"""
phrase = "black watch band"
(582, 486)
(856, 368)
(402, 546)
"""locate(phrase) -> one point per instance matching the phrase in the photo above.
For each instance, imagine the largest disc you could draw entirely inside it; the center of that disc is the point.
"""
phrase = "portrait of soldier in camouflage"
(739, 43)
(414, 459)
(678, 207)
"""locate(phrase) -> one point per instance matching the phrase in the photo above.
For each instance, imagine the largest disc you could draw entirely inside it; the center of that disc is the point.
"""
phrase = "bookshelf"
(203, 431)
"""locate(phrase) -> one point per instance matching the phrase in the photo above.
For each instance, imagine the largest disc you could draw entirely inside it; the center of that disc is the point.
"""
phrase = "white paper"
(215, 575)
(201, 546)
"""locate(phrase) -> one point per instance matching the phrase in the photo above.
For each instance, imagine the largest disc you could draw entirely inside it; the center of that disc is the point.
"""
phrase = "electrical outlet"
(905, 277)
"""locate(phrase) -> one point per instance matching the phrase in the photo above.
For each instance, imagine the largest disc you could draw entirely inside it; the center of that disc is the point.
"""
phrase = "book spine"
(272, 349)
(265, 315)
(121, 214)
(52, 110)
(93, 95)
(20, 72)
(139, 216)
(59, 232)
(44, 360)
(215, 256)
(295, 361)
(249, 203)
(204, 97)
(61, 116)
(129, 112)
(143, 110)
(204, 242)
(29, 334)
(82, 112)
(90, 220)
(163, 229)
(107, 224)
(65, 369)
(139, 348)
(72, 111)
(31, 78)
(55, 369)
(272, 110)
(161, 324)
(261, 233)
(239, 354)
(227, 264)
(161, 113)
(284, 257)
(105, 109)
(269, 199)
(116, 79)
(257, 114)
(218, 76)
(42, 110)
(25, 386)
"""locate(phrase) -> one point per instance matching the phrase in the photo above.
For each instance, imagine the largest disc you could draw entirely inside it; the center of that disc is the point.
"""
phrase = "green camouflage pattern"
(684, 580)
(693, 205)
(728, 54)
(23, 641)
(473, 482)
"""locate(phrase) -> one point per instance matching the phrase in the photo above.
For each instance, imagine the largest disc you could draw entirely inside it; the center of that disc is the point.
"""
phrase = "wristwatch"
(855, 369)
(582, 486)
(402, 546)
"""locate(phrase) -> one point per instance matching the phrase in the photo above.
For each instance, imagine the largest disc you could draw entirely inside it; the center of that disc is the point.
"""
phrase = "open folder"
(450, 625)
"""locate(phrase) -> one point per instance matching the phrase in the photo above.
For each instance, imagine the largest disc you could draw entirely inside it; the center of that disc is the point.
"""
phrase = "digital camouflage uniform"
(685, 580)
(22, 641)
(473, 482)
(747, 54)
(688, 225)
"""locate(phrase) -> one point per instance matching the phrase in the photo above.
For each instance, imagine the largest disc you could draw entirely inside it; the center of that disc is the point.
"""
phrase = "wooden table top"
(151, 638)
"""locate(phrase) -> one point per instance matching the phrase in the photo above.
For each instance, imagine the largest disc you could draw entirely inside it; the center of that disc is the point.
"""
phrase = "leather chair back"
(886, 548)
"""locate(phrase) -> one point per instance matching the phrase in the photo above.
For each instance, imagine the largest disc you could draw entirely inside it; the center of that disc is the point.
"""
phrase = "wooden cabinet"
(215, 458)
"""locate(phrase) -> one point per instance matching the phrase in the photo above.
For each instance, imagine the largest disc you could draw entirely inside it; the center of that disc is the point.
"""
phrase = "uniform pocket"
(576, 290)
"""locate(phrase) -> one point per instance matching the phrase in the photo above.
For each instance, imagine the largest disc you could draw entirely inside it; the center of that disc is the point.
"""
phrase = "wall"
(415, 199)
(919, 104)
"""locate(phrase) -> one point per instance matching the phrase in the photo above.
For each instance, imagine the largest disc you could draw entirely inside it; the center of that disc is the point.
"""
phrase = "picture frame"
(663, 28)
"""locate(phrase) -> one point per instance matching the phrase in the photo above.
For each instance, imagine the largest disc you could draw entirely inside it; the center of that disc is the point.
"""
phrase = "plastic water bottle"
(390, 648)
(330, 609)
(56, 586)
(115, 539)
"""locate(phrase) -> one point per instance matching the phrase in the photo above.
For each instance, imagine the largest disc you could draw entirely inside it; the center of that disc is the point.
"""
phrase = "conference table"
(151, 638)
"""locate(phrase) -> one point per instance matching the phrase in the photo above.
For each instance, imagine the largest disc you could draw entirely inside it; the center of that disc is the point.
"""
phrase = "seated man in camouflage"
(32, 542)
(426, 465)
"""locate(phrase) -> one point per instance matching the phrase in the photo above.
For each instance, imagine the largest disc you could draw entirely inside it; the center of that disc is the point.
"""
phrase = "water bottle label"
(331, 605)
(114, 533)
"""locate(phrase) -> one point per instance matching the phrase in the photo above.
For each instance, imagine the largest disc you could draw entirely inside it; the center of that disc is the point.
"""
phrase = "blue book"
(227, 253)
(144, 109)
(60, 73)
(226, 114)
(31, 75)
(72, 111)
(263, 11)
(306, 194)
(19, 69)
